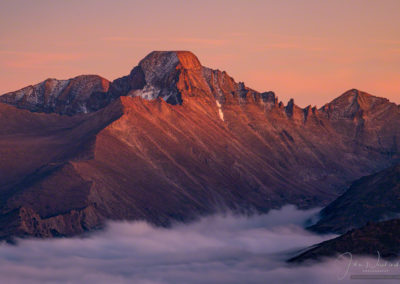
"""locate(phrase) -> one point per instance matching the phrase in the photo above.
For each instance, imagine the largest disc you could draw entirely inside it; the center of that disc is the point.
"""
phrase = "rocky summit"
(175, 140)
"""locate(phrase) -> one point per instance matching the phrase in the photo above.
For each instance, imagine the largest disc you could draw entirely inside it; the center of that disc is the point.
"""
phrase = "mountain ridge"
(370, 199)
(201, 143)
(376, 239)
(156, 65)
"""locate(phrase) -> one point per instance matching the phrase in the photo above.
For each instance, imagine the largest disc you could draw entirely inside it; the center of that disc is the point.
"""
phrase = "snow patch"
(221, 114)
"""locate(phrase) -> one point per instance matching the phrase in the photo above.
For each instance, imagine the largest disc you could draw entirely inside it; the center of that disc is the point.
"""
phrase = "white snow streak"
(221, 114)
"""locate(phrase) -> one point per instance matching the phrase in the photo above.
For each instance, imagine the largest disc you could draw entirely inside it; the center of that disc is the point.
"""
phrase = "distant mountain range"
(174, 140)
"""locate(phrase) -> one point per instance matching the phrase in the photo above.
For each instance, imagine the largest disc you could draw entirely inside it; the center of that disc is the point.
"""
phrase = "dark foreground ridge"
(382, 237)
(359, 214)
(372, 198)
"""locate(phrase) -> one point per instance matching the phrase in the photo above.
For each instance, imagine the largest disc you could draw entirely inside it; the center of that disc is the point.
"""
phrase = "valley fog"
(216, 249)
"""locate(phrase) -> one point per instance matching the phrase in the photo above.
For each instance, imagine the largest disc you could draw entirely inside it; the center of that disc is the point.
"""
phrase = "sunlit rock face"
(161, 74)
(174, 140)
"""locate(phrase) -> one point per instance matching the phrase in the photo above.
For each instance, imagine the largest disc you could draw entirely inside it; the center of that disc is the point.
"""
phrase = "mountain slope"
(174, 140)
(371, 198)
(382, 237)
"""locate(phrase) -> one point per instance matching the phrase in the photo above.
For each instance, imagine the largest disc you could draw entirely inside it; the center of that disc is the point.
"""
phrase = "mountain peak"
(172, 76)
(165, 60)
(81, 94)
(355, 96)
(355, 103)
(157, 74)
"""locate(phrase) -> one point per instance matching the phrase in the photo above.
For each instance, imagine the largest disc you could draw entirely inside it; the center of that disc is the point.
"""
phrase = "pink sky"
(311, 51)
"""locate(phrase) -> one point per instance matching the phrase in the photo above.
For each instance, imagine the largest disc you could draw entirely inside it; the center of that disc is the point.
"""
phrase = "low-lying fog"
(218, 249)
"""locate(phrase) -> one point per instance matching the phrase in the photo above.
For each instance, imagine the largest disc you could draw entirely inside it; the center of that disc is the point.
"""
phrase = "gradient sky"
(309, 50)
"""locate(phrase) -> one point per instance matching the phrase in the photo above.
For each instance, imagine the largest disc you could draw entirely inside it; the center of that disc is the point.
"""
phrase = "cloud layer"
(216, 249)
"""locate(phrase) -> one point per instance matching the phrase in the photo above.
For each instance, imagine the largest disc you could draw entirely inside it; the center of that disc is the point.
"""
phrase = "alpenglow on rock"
(161, 74)
(174, 140)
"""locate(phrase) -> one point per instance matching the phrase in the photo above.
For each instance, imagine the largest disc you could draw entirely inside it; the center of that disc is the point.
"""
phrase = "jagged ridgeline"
(174, 140)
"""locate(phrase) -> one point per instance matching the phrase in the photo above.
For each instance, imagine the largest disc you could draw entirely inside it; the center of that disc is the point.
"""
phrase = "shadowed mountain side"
(371, 198)
(176, 140)
(30, 141)
(373, 238)
(82, 94)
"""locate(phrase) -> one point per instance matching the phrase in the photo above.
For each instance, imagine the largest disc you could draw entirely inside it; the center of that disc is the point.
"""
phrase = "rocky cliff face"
(174, 140)
(81, 94)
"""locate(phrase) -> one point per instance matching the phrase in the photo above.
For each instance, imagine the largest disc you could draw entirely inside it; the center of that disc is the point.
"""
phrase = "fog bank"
(216, 249)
